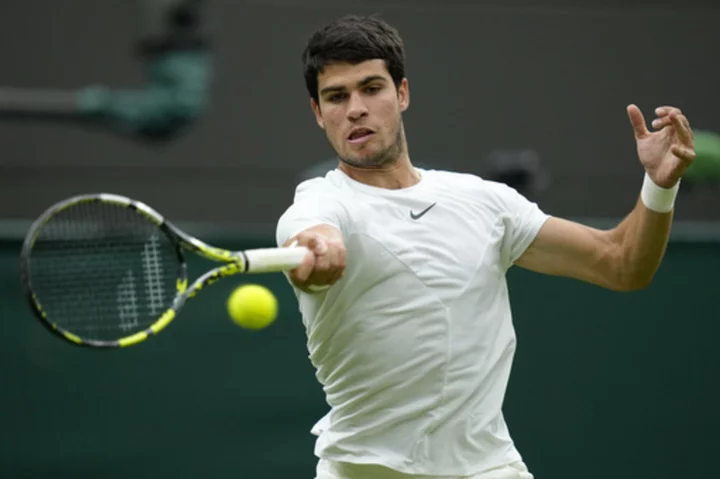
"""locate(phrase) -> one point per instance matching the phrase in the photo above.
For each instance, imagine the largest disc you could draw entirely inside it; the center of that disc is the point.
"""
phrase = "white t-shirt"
(414, 345)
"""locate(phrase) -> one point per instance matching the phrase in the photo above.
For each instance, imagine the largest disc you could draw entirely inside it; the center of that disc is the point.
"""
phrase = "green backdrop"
(604, 385)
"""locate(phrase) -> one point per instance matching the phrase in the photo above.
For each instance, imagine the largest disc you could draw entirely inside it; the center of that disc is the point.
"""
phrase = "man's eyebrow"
(363, 82)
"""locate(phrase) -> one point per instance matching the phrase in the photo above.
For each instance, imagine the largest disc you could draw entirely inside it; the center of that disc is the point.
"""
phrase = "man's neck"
(397, 176)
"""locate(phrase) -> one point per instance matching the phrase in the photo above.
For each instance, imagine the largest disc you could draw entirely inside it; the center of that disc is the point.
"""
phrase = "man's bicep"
(329, 216)
(572, 250)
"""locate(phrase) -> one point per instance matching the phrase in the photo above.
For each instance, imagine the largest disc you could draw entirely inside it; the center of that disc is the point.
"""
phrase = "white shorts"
(337, 470)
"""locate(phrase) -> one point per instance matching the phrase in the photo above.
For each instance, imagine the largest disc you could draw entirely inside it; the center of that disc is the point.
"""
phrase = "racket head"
(102, 270)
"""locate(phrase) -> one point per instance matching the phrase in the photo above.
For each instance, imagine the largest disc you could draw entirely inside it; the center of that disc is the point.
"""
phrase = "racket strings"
(103, 271)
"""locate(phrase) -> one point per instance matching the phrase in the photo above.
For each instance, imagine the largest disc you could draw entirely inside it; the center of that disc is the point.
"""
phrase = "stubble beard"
(387, 157)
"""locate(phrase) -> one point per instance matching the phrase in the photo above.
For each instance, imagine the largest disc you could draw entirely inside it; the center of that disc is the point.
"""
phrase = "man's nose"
(356, 107)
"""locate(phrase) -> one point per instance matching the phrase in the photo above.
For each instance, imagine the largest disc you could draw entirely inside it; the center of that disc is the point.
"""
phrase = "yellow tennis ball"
(252, 306)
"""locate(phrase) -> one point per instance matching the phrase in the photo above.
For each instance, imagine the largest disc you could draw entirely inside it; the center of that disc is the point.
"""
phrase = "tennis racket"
(106, 271)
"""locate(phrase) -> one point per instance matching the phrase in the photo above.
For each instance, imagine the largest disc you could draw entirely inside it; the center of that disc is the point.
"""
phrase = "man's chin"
(366, 161)
(363, 163)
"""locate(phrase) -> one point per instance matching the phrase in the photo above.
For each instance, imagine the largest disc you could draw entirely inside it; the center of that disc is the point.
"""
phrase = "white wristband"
(655, 198)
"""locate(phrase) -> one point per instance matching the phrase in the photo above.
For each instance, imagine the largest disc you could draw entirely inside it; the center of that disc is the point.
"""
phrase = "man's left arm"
(626, 257)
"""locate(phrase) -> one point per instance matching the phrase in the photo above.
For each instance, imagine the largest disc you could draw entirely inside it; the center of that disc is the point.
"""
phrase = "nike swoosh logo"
(417, 216)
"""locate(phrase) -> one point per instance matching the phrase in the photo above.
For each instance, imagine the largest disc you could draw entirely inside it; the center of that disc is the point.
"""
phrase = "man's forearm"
(642, 239)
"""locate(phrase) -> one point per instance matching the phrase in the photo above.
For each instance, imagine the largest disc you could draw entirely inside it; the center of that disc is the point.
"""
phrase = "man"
(404, 295)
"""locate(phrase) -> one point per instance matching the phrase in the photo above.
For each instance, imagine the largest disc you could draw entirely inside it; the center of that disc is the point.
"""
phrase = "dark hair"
(353, 39)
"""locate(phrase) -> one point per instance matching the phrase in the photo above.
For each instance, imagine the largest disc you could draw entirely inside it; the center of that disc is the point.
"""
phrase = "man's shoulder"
(323, 186)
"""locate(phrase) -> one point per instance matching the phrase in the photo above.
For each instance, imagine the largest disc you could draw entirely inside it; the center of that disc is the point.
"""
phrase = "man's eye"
(338, 97)
(373, 89)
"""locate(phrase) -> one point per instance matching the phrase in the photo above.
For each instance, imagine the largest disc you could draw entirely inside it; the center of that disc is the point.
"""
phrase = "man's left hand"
(667, 152)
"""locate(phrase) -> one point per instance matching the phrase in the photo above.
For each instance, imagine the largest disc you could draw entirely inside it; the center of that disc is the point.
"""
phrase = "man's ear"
(318, 116)
(404, 94)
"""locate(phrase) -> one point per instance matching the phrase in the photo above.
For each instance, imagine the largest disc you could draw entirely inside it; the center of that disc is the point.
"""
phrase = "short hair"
(353, 39)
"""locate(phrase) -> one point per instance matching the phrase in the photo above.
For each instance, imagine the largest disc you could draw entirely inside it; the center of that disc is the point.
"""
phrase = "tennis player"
(404, 296)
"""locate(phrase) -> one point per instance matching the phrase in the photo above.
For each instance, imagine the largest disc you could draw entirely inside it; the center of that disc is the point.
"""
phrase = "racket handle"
(269, 260)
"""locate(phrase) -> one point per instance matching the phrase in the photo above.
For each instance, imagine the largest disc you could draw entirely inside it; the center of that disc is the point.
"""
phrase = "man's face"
(361, 112)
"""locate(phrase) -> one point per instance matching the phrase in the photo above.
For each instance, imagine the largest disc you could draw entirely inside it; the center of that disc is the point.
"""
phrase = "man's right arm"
(316, 219)
(325, 264)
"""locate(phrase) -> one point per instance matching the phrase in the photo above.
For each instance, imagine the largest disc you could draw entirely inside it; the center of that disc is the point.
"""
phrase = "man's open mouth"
(360, 134)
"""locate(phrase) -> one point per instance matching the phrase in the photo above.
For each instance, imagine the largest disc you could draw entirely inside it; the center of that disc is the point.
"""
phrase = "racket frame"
(235, 262)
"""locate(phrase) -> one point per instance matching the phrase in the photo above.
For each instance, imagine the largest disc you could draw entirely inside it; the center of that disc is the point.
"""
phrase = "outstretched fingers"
(637, 120)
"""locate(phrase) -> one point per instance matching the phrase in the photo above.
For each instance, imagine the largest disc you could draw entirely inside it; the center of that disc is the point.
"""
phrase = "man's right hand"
(324, 265)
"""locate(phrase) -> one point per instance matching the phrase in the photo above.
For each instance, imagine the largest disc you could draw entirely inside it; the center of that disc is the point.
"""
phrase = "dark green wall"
(604, 385)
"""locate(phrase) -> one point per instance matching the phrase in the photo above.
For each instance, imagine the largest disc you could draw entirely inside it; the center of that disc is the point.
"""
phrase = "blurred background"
(199, 109)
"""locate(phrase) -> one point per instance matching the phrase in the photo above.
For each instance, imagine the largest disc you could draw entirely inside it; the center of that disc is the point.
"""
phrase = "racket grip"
(270, 260)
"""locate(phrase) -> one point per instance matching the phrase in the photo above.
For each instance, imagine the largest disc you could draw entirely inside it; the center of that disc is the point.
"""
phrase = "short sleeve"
(313, 205)
(522, 220)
